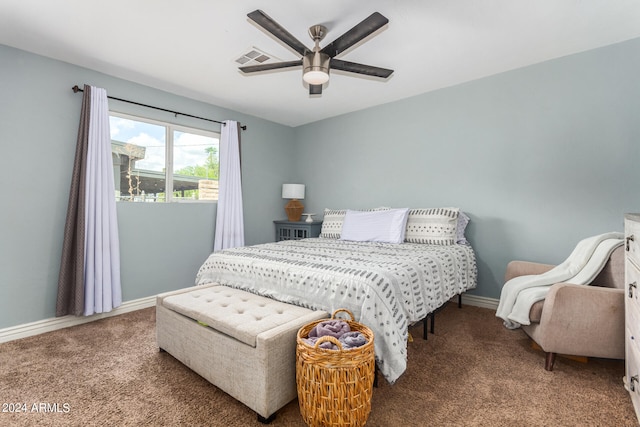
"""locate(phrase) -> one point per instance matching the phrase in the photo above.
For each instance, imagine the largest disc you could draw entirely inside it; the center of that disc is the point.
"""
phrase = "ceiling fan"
(317, 62)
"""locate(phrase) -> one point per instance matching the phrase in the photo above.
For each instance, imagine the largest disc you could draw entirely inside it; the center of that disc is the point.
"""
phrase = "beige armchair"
(576, 319)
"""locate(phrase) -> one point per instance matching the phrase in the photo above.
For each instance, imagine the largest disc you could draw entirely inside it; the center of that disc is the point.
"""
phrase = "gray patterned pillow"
(333, 218)
(435, 226)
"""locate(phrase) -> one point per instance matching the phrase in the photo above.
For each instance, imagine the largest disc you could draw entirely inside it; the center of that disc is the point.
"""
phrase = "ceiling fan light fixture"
(316, 62)
(315, 68)
(316, 77)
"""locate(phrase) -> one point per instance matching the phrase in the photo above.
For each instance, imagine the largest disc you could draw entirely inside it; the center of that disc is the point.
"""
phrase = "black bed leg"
(375, 375)
(425, 330)
(433, 321)
(432, 316)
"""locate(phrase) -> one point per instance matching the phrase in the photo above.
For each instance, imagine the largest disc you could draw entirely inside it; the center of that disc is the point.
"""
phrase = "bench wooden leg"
(267, 420)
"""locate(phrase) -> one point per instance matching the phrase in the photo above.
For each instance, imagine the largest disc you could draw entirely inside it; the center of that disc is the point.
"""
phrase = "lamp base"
(294, 210)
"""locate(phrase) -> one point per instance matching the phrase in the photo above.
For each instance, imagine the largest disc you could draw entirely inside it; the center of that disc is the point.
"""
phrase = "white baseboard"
(53, 324)
(479, 301)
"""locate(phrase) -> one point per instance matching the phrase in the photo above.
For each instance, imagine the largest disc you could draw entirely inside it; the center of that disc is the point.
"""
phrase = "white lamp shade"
(293, 191)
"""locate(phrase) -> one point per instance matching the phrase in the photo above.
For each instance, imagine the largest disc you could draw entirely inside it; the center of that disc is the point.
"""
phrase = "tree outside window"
(161, 162)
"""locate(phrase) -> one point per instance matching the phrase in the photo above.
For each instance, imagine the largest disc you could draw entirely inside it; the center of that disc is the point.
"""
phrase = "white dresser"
(632, 308)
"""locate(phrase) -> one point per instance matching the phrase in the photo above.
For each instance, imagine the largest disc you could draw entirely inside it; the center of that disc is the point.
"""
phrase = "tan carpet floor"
(472, 372)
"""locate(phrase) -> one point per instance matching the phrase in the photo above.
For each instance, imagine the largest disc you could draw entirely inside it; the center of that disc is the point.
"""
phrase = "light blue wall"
(162, 246)
(539, 157)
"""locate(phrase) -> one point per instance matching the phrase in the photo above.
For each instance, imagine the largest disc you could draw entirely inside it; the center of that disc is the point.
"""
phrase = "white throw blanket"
(582, 266)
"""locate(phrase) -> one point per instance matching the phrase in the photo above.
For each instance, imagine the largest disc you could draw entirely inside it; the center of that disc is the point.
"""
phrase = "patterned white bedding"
(386, 286)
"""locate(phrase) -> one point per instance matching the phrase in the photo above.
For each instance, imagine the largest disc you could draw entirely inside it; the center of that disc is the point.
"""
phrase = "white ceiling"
(189, 47)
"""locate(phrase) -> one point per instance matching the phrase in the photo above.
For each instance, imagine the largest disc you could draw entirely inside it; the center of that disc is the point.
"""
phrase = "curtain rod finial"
(75, 89)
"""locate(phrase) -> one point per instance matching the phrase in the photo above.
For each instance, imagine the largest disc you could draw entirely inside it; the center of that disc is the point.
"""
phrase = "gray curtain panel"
(71, 278)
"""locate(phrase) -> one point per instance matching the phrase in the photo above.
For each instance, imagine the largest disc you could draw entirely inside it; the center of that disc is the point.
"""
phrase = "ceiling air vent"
(255, 56)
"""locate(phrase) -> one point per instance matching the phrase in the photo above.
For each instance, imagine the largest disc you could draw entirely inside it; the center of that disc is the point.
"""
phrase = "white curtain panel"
(103, 291)
(229, 218)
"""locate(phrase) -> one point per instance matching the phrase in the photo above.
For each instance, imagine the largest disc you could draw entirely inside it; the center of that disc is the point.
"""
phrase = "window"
(162, 162)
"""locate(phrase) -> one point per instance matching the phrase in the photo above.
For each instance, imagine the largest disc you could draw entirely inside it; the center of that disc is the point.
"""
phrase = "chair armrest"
(524, 268)
(584, 320)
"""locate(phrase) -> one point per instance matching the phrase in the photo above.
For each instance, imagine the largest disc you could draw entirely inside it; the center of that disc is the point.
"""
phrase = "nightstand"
(288, 230)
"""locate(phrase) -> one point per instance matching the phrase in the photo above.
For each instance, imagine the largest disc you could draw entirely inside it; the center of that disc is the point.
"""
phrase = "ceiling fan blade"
(272, 66)
(353, 67)
(266, 22)
(315, 89)
(373, 23)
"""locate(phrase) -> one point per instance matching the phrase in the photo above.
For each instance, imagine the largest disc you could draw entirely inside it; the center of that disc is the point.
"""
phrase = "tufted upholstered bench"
(243, 343)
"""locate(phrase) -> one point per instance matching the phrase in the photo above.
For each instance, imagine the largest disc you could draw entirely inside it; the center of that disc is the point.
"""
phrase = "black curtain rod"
(76, 89)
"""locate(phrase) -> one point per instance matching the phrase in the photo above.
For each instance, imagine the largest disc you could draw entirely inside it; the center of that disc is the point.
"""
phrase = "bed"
(387, 286)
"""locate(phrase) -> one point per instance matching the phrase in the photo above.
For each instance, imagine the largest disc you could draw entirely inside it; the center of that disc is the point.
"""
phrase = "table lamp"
(294, 207)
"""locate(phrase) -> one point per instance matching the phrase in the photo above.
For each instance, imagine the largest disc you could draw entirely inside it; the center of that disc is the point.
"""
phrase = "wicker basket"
(335, 386)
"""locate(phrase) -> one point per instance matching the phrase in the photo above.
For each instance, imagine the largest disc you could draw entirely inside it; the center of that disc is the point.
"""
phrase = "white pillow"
(463, 221)
(332, 221)
(379, 226)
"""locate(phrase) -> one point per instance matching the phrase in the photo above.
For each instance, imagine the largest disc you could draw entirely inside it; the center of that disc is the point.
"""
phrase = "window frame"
(170, 128)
